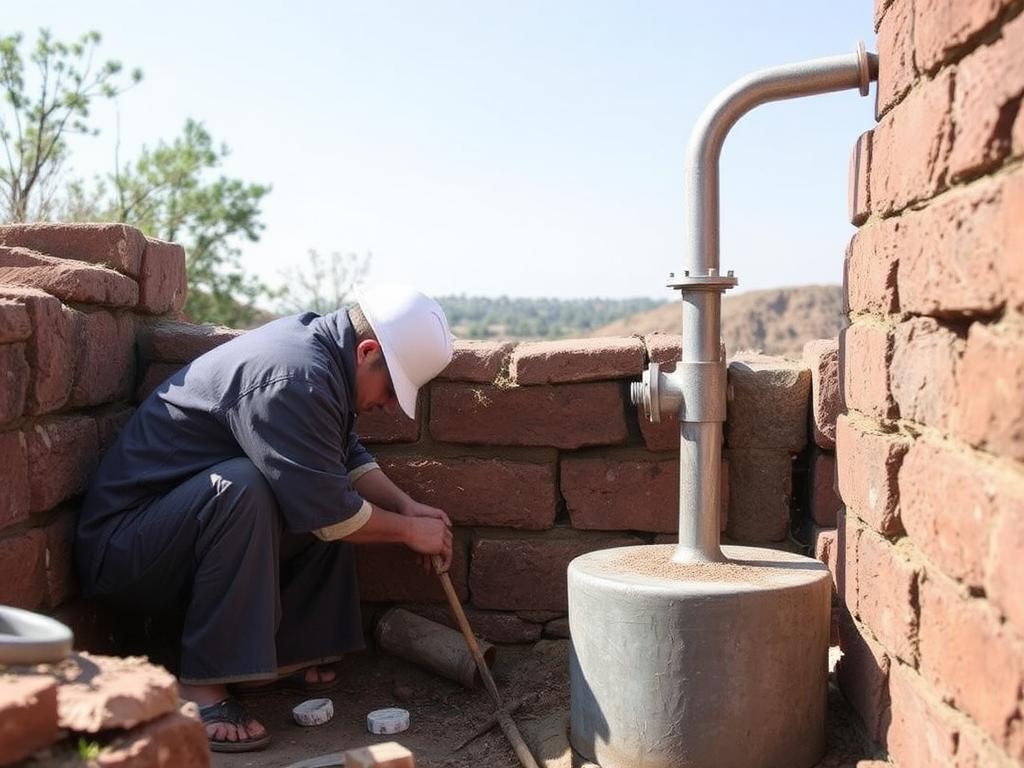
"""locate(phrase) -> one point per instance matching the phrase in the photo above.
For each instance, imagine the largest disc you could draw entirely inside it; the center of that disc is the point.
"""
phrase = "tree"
(169, 192)
(35, 122)
(324, 284)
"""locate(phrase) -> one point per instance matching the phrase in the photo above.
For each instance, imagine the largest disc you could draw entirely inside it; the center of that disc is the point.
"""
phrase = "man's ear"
(365, 348)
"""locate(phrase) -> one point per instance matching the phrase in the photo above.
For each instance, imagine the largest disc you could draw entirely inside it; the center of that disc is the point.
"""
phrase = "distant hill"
(777, 321)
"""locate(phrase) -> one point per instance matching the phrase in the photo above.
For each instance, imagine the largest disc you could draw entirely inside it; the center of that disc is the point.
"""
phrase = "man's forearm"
(382, 527)
(377, 488)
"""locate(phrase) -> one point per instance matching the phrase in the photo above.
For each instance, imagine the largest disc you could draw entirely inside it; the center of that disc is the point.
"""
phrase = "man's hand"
(415, 509)
(430, 536)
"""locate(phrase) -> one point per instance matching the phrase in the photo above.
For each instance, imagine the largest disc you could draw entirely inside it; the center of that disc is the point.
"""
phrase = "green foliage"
(324, 283)
(88, 750)
(475, 317)
(171, 192)
(40, 112)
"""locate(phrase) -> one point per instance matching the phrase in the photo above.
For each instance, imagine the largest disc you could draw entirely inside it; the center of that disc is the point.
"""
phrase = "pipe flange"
(711, 282)
(863, 68)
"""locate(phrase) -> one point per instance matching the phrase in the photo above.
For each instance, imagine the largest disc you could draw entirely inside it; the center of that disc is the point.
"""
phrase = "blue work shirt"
(283, 395)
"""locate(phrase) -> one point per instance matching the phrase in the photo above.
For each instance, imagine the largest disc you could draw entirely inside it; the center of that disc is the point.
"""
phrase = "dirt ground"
(443, 714)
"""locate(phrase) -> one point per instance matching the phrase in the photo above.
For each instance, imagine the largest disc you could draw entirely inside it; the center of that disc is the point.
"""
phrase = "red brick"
(665, 349)
(174, 739)
(1011, 229)
(923, 734)
(14, 322)
(865, 353)
(184, 342)
(28, 716)
(67, 280)
(528, 571)
(887, 594)
(14, 381)
(948, 507)
(911, 146)
(114, 245)
(105, 366)
(110, 422)
(660, 436)
(604, 493)
(23, 570)
(63, 452)
(954, 258)
(155, 375)
(49, 351)
(59, 558)
(869, 270)
(392, 573)
(563, 416)
(822, 357)
(760, 494)
(383, 427)
(14, 491)
(825, 544)
(478, 361)
(868, 464)
(163, 284)
(974, 660)
(824, 501)
(896, 66)
(989, 85)
(767, 399)
(570, 360)
(881, 6)
(849, 529)
(924, 371)
(990, 410)
(943, 26)
(1002, 581)
(858, 197)
(490, 492)
(863, 676)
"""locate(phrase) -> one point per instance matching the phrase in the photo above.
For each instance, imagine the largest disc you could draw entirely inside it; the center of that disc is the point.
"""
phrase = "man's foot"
(310, 679)
(229, 727)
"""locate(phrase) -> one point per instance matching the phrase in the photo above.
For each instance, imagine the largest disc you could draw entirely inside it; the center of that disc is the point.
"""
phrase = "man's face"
(373, 382)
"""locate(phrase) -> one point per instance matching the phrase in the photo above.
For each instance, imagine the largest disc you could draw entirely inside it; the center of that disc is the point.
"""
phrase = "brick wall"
(930, 449)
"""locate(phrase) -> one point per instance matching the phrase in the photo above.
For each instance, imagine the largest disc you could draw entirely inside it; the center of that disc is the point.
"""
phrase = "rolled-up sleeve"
(294, 432)
(358, 460)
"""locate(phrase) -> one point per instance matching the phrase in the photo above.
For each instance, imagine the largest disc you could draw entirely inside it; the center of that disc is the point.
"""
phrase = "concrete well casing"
(705, 665)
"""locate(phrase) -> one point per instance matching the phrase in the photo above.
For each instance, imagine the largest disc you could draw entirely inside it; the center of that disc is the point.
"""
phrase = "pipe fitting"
(658, 393)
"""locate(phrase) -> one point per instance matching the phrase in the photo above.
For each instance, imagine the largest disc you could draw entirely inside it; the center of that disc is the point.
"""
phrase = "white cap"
(413, 334)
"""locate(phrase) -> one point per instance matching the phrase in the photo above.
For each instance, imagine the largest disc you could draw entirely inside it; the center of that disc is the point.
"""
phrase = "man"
(238, 487)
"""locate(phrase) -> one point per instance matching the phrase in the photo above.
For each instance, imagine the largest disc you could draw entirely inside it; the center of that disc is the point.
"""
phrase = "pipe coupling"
(694, 392)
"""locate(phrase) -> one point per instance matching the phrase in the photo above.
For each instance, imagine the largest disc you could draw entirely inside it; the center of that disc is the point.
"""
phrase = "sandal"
(231, 712)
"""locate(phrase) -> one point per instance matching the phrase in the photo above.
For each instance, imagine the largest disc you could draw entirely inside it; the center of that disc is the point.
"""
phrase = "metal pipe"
(699, 380)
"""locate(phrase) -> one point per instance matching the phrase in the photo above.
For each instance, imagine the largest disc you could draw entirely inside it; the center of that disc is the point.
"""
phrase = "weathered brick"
(896, 66)
(174, 739)
(1002, 576)
(184, 342)
(478, 361)
(943, 26)
(491, 626)
(28, 716)
(14, 322)
(114, 245)
(489, 492)
(955, 258)
(14, 382)
(868, 464)
(989, 86)
(659, 436)
(522, 571)
(383, 427)
(825, 545)
(23, 570)
(63, 452)
(1011, 228)
(824, 501)
(59, 558)
(570, 360)
(911, 146)
(760, 494)
(922, 734)
(163, 284)
(67, 280)
(392, 573)
(821, 356)
(881, 6)
(865, 353)
(109, 423)
(989, 411)
(14, 491)
(973, 659)
(923, 374)
(863, 676)
(858, 196)
(49, 351)
(887, 595)
(767, 402)
(563, 416)
(665, 349)
(604, 493)
(849, 529)
(948, 507)
(155, 375)
(105, 365)
(870, 267)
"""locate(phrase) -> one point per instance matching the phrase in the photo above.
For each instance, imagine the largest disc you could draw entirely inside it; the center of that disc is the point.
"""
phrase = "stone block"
(171, 740)
(14, 382)
(478, 361)
(896, 68)
(391, 573)
(767, 404)
(941, 27)
(114, 245)
(50, 350)
(28, 716)
(63, 452)
(14, 491)
(382, 427)
(760, 494)
(924, 371)
(989, 410)
(23, 570)
(868, 462)
(163, 284)
(858, 194)
(105, 366)
(922, 733)
(822, 358)
(170, 342)
(14, 322)
(870, 267)
(1002, 574)
(69, 281)
(865, 356)
(887, 594)
(573, 360)
(824, 501)
(487, 492)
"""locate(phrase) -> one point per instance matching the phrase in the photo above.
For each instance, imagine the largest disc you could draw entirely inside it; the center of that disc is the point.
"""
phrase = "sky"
(486, 147)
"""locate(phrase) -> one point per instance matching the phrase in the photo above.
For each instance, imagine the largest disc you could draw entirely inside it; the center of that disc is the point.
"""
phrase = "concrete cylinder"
(702, 665)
